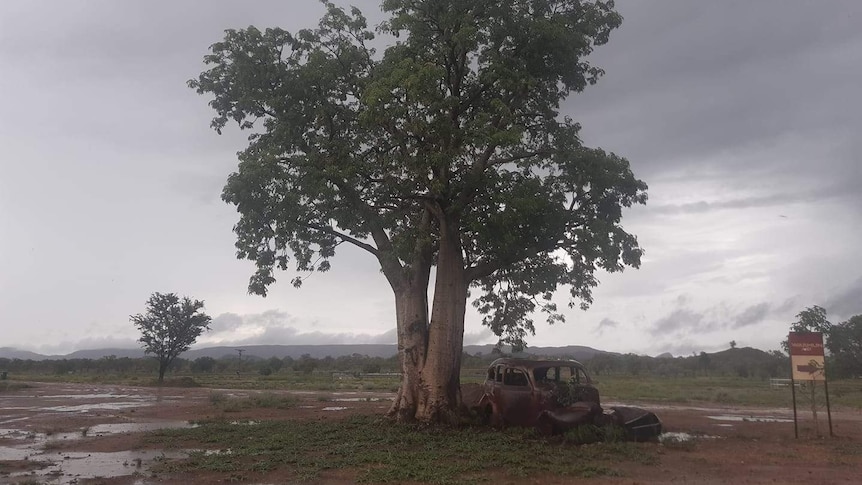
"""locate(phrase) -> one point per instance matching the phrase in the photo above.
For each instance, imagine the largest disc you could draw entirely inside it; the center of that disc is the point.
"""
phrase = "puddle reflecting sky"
(750, 419)
(71, 467)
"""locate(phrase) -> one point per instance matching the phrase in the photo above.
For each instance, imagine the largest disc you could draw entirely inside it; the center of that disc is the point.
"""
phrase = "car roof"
(534, 364)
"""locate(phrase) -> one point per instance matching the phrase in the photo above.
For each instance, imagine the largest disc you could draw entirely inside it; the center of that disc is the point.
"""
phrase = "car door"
(516, 397)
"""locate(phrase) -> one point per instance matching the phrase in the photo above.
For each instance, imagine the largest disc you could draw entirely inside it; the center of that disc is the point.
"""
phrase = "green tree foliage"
(844, 342)
(306, 364)
(447, 149)
(203, 365)
(812, 319)
(170, 326)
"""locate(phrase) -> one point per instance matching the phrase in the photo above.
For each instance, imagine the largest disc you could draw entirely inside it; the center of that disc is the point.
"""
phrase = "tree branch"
(344, 237)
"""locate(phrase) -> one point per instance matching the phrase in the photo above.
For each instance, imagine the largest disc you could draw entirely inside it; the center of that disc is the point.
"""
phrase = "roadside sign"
(807, 363)
(806, 356)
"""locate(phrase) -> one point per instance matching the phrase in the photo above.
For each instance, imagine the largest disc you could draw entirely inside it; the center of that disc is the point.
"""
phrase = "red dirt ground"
(37, 421)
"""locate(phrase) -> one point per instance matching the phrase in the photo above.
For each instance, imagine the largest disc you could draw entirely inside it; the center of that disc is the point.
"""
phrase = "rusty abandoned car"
(555, 396)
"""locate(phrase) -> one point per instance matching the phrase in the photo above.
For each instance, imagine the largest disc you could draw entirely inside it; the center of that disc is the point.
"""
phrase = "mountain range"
(295, 351)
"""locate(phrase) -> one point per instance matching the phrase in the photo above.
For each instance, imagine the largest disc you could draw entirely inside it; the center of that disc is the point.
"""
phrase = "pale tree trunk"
(430, 352)
(440, 378)
(411, 308)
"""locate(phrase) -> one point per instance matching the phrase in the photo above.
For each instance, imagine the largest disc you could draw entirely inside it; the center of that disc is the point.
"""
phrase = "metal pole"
(793, 390)
(814, 407)
(239, 364)
(828, 409)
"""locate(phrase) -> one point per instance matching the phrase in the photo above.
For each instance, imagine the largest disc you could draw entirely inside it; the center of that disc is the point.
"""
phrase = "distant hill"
(12, 353)
(744, 358)
(295, 351)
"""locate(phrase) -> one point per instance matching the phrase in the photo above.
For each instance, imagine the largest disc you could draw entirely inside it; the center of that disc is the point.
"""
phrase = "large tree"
(446, 151)
(170, 326)
(844, 342)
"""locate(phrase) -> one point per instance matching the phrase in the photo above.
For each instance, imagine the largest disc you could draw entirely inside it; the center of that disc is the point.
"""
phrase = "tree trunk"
(411, 308)
(440, 378)
(162, 368)
(430, 353)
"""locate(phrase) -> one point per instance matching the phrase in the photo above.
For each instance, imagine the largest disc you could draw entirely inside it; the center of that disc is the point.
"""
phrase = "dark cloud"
(746, 93)
(226, 322)
(680, 320)
(847, 302)
(751, 315)
(685, 321)
(606, 324)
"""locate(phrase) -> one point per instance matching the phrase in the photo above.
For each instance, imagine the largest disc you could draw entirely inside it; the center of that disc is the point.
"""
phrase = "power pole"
(239, 364)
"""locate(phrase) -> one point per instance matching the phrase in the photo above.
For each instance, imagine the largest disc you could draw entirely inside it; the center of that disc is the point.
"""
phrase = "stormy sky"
(743, 117)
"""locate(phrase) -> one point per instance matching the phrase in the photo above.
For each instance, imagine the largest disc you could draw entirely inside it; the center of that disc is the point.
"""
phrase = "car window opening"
(515, 377)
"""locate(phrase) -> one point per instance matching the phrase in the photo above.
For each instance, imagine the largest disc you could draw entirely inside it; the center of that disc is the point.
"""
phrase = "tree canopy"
(843, 340)
(170, 326)
(447, 149)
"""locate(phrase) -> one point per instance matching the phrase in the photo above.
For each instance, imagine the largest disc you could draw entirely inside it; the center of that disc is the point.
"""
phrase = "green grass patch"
(379, 451)
(721, 390)
(255, 401)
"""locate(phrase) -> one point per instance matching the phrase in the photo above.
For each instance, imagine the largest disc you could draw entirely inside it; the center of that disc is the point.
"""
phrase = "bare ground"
(70, 433)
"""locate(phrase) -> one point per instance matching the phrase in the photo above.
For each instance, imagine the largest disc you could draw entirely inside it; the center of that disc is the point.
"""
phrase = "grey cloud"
(684, 321)
(86, 344)
(787, 305)
(847, 302)
(679, 320)
(772, 200)
(278, 327)
(696, 88)
(483, 336)
(751, 315)
(605, 324)
(226, 322)
(292, 336)
(229, 322)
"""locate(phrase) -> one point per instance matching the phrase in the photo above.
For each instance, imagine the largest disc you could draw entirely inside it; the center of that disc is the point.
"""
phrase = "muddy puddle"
(31, 444)
(71, 467)
(738, 418)
(34, 451)
(681, 437)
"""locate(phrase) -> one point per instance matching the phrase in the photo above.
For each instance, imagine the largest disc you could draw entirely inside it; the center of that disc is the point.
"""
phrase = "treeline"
(741, 362)
(355, 363)
(745, 363)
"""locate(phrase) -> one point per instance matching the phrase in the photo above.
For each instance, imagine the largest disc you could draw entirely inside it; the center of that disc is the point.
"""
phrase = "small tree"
(170, 326)
(733, 344)
(812, 319)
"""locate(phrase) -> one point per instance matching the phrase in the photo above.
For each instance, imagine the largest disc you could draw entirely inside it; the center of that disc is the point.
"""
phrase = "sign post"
(807, 363)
